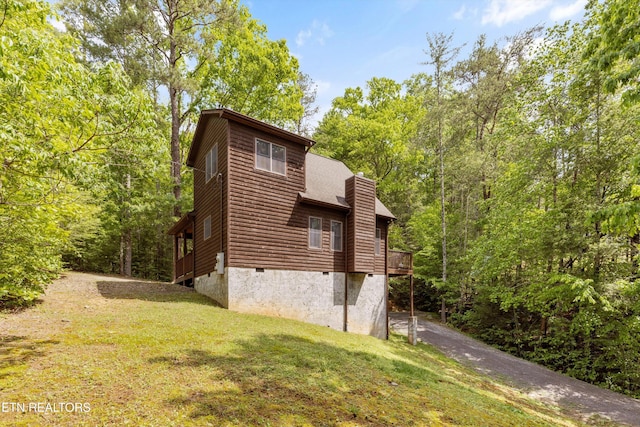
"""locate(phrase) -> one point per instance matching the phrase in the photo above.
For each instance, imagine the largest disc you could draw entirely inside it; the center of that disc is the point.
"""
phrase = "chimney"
(361, 223)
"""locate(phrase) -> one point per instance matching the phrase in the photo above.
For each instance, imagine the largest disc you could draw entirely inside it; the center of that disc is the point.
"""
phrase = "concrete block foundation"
(308, 296)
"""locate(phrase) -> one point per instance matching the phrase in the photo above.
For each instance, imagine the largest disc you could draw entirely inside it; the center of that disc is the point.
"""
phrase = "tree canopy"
(518, 168)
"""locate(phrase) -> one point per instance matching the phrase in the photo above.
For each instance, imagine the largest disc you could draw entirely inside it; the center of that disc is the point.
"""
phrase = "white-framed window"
(315, 232)
(271, 157)
(378, 241)
(207, 227)
(336, 236)
(211, 167)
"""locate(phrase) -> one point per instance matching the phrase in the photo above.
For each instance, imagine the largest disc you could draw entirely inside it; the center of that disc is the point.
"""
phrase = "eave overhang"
(182, 224)
(224, 113)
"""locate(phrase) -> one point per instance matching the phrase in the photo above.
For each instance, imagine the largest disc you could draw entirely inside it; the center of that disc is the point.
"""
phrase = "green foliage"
(249, 73)
(65, 126)
(376, 134)
(205, 54)
(614, 45)
(46, 116)
(553, 247)
(533, 145)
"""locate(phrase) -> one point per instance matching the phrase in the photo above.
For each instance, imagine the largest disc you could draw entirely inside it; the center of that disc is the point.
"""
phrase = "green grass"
(176, 359)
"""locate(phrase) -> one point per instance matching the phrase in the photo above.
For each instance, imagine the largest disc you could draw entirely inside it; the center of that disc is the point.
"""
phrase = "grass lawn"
(140, 353)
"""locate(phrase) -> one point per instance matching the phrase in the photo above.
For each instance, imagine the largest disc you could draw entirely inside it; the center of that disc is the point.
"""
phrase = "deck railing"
(184, 265)
(400, 263)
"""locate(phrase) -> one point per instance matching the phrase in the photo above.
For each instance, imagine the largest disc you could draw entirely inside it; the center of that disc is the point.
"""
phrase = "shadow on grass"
(19, 350)
(151, 291)
(285, 379)
(18, 305)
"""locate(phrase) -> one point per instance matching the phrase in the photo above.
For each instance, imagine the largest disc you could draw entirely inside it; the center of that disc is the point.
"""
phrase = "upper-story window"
(271, 157)
(315, 232)
(336, 236)
(211, 168)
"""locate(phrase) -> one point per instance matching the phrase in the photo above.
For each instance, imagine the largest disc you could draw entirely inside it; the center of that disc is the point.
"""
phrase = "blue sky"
(344, 43)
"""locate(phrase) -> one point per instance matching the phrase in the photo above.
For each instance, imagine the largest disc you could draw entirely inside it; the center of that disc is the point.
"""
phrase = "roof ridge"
(327, 158)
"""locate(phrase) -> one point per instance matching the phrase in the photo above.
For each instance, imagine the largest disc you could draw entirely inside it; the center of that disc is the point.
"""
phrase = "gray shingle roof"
(325, 180)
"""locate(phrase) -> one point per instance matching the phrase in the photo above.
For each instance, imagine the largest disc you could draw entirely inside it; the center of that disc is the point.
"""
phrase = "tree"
(375, 134)
(56, 114)
(487, 79)
(549, 274)
(247, 72)
(195, 50)
(154, 40)
(440, 55)
(614, 46)
(309, 110)
(132, 184)
(613, 50)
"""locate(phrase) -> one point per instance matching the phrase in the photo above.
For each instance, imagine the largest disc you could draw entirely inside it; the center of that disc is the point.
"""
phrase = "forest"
(514, 171)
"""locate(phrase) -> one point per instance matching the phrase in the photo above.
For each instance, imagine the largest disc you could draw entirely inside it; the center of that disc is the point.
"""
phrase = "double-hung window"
(315, 232)
(336, 236)
(211, 167)
(271, 157)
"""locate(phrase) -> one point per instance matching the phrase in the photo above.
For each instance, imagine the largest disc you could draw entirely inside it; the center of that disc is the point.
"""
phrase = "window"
(336, 236)
(207, 227)
(271, 157)
(315, 232)
(378, 240)
(211, 164)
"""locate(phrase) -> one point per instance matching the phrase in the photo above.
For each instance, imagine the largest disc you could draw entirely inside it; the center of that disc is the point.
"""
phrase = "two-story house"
(280, 231)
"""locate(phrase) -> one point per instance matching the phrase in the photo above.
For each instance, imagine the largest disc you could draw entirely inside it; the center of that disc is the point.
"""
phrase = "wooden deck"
(184, 268)
(400, 263)
(183, 250)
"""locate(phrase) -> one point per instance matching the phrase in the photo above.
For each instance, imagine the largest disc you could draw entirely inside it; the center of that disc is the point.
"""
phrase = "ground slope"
(143, 353)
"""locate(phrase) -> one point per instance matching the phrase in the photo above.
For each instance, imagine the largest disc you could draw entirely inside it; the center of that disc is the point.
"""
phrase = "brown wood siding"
(268, 227)
(361, 195)
(380, 264)
(208, 196)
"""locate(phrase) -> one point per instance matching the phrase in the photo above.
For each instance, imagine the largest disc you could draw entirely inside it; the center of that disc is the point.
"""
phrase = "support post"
(411, 294)
(175, 256)
(413, 319)
(413, 330)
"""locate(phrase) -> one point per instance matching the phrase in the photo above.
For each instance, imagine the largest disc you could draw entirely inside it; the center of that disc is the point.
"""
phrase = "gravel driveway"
(536, 381)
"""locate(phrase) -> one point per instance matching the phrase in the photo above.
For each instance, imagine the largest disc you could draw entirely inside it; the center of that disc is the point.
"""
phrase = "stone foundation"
(308, 296)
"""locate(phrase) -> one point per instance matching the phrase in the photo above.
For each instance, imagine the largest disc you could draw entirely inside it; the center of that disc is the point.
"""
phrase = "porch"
(183, 256)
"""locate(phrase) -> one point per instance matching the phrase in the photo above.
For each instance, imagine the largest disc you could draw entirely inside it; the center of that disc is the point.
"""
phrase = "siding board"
(208, 196)
(361, 196)
(263, 224)
(268, 227)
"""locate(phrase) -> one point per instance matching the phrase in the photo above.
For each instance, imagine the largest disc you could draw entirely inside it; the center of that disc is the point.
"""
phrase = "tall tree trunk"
(174, 100)
(441, 54)
(443, 220)
(125, 237)
(176, 160)
(127, 253)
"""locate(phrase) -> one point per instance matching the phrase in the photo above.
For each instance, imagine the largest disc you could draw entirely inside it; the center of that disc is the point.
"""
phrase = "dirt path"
(72, 292)
(538, 382)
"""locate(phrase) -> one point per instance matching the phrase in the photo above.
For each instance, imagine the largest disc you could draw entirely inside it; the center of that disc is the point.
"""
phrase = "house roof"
(183, 224)
(325, 184)
(231, 115)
